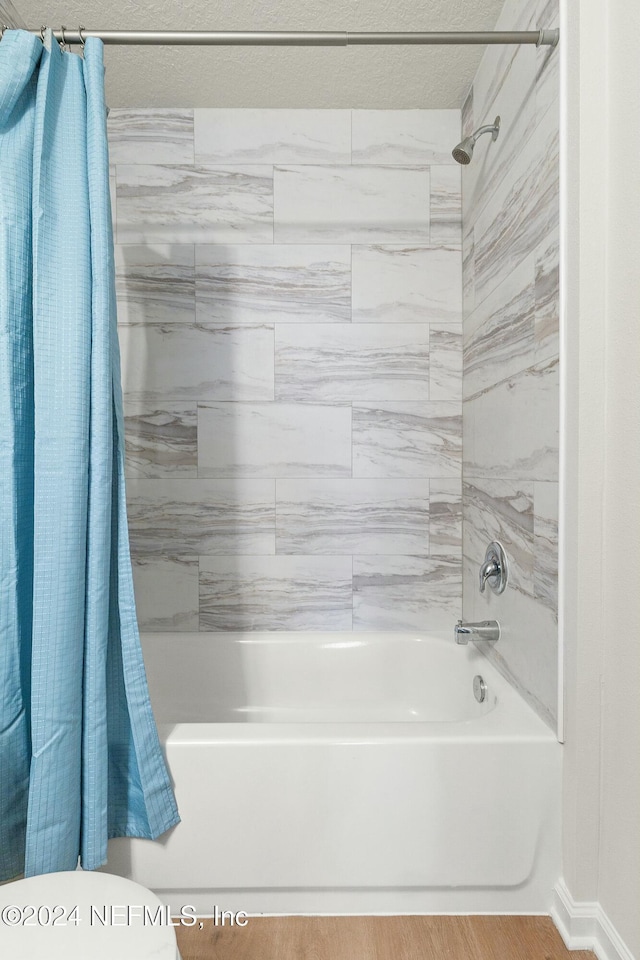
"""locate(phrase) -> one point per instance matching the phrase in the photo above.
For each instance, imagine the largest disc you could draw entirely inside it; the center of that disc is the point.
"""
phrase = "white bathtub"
(347, 773)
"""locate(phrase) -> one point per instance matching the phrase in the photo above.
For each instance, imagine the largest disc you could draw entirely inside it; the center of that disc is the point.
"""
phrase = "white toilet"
(38, 919)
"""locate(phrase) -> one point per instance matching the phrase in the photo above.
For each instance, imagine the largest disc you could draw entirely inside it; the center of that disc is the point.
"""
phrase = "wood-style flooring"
(378, 938)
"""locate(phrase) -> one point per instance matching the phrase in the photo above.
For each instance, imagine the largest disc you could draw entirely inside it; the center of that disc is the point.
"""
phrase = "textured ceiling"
(372, 77)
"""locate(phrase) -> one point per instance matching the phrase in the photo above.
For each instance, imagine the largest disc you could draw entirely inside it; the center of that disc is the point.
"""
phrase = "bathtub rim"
(509, 717)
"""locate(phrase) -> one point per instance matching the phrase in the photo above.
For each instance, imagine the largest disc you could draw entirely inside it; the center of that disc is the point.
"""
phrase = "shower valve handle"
(494, 568)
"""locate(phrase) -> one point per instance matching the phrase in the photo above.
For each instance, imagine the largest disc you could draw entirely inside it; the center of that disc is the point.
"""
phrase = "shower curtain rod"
(541, 38)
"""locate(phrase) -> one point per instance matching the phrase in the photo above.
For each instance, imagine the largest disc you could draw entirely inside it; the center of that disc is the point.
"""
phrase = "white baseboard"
(584, 925)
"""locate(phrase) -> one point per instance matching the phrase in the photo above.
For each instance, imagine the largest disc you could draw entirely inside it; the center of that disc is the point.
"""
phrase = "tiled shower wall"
(289, 287)
(510, 272)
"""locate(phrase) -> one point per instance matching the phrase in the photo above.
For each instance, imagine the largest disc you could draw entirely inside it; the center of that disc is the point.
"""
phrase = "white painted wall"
(619, 891)
(601, 564)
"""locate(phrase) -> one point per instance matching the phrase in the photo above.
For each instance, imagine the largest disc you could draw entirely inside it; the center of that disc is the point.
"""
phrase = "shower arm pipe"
(541, 38)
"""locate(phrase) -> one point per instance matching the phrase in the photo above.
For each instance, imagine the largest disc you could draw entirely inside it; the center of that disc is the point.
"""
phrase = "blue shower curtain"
(80, 759)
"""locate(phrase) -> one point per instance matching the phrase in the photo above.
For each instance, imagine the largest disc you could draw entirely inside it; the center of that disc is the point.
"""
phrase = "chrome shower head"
(463, 151)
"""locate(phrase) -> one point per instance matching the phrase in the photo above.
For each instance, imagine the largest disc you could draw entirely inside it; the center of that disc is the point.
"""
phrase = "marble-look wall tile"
(407, 439)
(275, 593)
(523, 211)
(155, 283)
(194, 204)
(405, 136)
(500, 63)
(511, 430)
(241, 366)
(344, 362)
(273, 440)
(294, 283)
(446, 205)
(195, 517)
(468, 270)
(351, 204)
(161, 441)
(150, 135)
(499, 334)
(547, 61)
(513, 99)
(207, 362)
(548, 81)
(510, 307)
(467, 117)
(445, 361)
(445, 517)
(166, 590)
(352, 516)
(501, 510)
(272, 136)
(518, 15)
(545, 530)
(547, 296)
(546, 14)
(494, 160)
(406, 593)
(397, 284)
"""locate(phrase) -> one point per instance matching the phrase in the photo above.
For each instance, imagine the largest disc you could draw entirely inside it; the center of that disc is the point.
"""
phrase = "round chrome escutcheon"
(479, 689)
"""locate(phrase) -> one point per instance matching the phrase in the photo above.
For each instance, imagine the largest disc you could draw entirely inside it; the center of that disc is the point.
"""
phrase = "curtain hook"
(5, 26)
(80, 29)
(42, 30)
(64, 42)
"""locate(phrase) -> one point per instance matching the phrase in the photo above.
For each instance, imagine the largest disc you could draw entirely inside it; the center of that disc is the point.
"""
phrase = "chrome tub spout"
(486, 630)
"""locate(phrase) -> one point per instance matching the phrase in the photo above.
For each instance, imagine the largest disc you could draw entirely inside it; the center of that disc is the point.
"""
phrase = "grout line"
(352, 594)
(273, 204)
(351, 136)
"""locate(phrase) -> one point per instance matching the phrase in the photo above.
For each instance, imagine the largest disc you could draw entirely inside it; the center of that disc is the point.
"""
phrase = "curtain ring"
(80, 29)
